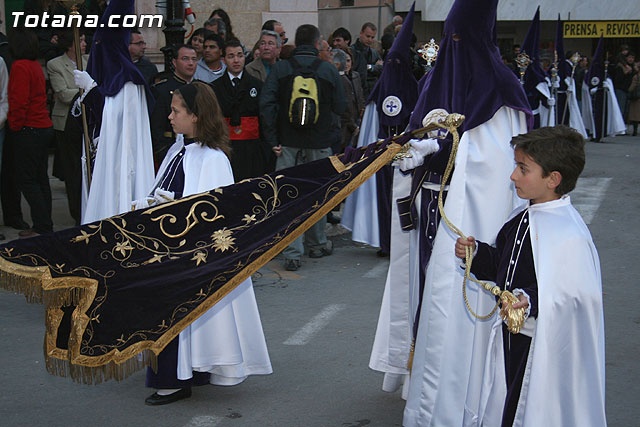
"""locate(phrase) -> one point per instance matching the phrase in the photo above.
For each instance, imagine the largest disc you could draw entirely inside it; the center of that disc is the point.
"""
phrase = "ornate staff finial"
(429, 51)
(523, 61)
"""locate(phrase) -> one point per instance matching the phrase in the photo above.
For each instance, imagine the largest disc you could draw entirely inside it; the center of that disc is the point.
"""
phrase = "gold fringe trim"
(23, 280)
(98, 374)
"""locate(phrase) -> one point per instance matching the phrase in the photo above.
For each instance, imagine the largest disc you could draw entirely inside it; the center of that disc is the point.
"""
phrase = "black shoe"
(382, 254)
(18, 224)
(319, 253)
(332, 219)
(155, 399)
(291, 264)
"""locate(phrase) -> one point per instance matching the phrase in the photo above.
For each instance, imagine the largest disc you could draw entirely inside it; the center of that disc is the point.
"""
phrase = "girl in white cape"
(226, 344)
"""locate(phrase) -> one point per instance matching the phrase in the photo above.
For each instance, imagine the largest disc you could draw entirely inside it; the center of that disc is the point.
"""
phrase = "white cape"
(615, 122)
(575, 116)
(123, 168)
(564, 380)
(228, 340)
(548, 115)
(451, 345)
(360, 213)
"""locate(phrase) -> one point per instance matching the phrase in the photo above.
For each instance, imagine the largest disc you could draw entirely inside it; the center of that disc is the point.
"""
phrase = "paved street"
(319, 323)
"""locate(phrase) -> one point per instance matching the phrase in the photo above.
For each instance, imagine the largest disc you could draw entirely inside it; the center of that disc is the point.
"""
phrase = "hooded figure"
(451, 345)
(118, 116)
(600, 109)
(566, 109)
(535, 83)
(367, 212)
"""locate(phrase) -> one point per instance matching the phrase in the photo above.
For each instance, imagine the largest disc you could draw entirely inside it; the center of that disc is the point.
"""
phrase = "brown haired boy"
(554, 368)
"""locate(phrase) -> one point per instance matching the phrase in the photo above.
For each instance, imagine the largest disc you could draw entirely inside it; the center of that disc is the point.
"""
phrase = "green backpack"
(304, 105)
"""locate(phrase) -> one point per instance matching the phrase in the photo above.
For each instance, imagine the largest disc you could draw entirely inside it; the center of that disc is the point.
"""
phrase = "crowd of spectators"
(41, 115)
(37, 91)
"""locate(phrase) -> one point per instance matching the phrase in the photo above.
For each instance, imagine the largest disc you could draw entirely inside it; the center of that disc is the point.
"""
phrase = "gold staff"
(85, 127)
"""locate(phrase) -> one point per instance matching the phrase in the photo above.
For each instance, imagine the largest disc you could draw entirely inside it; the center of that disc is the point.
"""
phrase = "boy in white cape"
(552, 372)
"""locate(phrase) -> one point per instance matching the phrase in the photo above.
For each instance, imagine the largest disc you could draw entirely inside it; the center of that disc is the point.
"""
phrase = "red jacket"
(27, 96)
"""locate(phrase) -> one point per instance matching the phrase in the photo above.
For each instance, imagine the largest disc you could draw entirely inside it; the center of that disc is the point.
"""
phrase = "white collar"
(231, 76)
(552, 204)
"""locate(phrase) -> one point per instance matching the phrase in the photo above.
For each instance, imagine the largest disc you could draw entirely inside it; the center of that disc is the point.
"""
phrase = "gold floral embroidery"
(222, 239)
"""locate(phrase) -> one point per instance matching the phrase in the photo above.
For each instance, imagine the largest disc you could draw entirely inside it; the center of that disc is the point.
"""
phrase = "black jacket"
(162, 134)
(274, 103)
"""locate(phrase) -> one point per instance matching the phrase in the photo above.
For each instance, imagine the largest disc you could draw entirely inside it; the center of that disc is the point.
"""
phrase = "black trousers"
(69, 144)
(30, 147)
(9, 191)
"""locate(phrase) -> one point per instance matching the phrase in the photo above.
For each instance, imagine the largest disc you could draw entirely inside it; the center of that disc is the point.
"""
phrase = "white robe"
(228, 340)
(360, 213)
(564, 380)
(394, 333)
(123, 168)
(451, 345)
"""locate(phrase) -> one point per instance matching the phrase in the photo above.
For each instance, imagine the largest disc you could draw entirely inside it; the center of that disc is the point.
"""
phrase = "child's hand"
(522, 303)
(461, 245)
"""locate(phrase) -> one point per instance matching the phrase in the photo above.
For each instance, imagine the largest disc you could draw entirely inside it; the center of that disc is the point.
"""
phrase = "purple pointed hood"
(595, 75)
(534, 74)
(564, 68)
(469, 76)
(110, 62)
(531, 46)
(396, 80)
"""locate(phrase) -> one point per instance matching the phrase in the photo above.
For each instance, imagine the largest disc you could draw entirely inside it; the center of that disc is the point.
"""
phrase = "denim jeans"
(315, 237)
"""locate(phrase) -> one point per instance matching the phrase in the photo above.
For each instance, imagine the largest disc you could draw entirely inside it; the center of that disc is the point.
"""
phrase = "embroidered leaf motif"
(182, 242)
(201, 294)
(257, 196)
(104, 239)
(96, 319)
(163, 325)
(123, 247)
(155, 244)
(249, 218)
(59, 266)
(93, 226)
(83, 237)
(218, 190)
(199, 257)
(155, 258)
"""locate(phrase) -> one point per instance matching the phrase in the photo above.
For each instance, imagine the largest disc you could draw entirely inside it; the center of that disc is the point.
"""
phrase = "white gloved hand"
(163, 196)
(416, 154)
(143, 203)
(551, 102)
(83, 80)
(593, 90)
